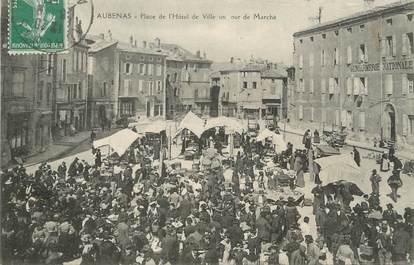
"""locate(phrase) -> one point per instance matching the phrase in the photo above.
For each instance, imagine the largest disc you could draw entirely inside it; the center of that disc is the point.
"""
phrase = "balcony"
(202, 99)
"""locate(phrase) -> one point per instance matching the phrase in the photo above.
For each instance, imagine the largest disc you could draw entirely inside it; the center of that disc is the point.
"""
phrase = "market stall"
(118, 142)
(277, 139)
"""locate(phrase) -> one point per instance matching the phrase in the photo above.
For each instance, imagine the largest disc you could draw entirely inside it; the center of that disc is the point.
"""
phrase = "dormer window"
(336, 32)
(362, 27)
(389, 22)
(349, 30)
(323, 35)
(311, 38)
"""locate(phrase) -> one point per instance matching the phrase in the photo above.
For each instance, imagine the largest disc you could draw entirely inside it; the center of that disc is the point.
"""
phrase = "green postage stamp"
(37, 26)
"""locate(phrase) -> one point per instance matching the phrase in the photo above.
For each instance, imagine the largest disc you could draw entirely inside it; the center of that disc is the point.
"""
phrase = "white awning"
(118, 142)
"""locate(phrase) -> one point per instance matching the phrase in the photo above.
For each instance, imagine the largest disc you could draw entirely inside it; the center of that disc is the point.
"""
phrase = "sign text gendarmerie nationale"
(386, 66)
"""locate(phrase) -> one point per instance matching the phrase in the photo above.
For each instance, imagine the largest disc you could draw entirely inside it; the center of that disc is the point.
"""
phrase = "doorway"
(389, 123)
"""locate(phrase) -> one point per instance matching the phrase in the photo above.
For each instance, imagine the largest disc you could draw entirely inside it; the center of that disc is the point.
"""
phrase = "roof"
(274, 73)
(177, 53)
(123, 46)
(355, 17)
(100, 45)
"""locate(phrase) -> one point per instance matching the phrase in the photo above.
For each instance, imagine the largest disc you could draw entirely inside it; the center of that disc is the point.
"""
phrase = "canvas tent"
(230, 124)
(192, 123)
(341, 167)
(118, 142)
(277, 139)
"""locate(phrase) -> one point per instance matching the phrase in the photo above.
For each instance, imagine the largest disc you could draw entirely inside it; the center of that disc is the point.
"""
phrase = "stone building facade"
(356, 74)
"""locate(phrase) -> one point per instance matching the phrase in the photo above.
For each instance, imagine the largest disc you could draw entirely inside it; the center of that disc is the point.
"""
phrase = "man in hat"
(298, 256)
(263, 228)
(375, 181)
(291, 213)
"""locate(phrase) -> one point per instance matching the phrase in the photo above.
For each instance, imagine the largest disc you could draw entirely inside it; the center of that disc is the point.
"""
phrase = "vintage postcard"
(211, 132)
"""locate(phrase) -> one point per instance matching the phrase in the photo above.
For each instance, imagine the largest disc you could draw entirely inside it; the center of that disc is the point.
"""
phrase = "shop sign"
(386, 66)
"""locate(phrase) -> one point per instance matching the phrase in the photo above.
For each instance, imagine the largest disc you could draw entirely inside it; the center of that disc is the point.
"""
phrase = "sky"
(219, 39)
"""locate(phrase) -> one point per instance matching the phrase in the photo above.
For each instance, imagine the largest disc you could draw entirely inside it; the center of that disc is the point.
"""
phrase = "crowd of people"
(124, 210)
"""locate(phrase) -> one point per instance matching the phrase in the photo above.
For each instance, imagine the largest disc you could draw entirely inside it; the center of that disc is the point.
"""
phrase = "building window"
(49, 92)
(64, 71)
(301, 41)
(389, 21)
(323, 58)
(142, 69)
(311, 86)
(349, 29)
(336, 57)
(49, 63)
(336, 32)
(75, 91)
(408, 84)
(254, 85)
(363, 56)
(410, 17)
(362, 27)
(17, 133)
(408, 44)
(175, 77)
(150, 69)
(40, 93)
(411, 124)
(301, 85)
(389, 48)
(300, 61)
(80, 90)
(332, 86)
(159, 70)
(140, 85)
(244, 85)
(78, 62)
(104, 89)
(128, 68)
(311, 39)
(18, 84)
(323, 35)
(159, 86)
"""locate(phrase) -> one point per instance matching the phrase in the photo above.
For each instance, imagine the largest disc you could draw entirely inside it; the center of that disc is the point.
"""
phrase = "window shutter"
(300, 112)
(140, 85)
(388, 85)
(356, 86)
(405, 124)
(349, 55)
(322, 58)
(366, 54)
(349, 86)
(366, 86)
(311, 86)
(362, 120)
(394, 46)
(343, 118)
(301, 61)
(404, 50)
(337, 117)
(323, 86)
(331, 86)
(383, 47)
(404, 86)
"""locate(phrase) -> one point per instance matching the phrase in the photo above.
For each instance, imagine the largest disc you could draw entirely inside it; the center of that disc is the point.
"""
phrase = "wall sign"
(386, 66)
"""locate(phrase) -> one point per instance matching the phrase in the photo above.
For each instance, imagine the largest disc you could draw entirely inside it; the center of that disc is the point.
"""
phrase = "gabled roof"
(356, 16)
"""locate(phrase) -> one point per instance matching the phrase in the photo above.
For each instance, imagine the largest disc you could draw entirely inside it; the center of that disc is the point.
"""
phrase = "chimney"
(109, 35)
(157, 42)
(144, 44)
(131, 40)
(102, 36)
(232, 60)
(198, 54)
